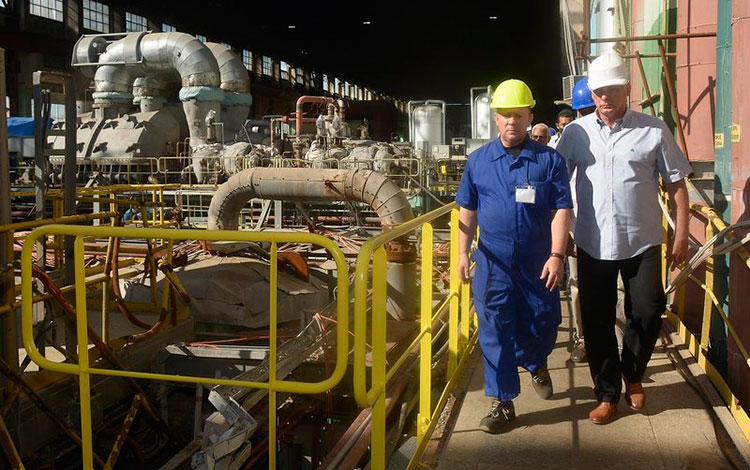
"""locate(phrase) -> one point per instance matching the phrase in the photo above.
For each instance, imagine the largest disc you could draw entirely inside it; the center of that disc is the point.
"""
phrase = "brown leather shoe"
(635, 397)
(604, 413)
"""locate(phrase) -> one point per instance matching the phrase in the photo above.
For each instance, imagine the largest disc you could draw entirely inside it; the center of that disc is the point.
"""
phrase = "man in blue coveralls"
(517, 191)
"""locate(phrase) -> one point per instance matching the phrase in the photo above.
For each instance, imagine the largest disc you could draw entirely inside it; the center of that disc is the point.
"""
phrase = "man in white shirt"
(619, 155)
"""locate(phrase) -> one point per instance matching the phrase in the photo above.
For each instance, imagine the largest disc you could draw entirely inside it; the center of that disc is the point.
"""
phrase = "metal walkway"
(673, 432)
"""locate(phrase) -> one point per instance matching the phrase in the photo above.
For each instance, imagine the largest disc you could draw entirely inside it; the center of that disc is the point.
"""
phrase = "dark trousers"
(644, 305)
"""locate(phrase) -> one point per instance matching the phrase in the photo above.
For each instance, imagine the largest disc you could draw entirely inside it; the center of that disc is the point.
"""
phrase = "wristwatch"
(557, 255)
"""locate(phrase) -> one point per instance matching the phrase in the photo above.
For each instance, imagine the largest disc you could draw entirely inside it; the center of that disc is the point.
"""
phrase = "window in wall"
(57, 112)
(3, 3)
(284, 70)
(247, 59)
(300, 76)
(135, 22)
(336, 85)
(267, 66)
(201, 38)
(168, 28)
(95, 16)
(313, 80)
(52, 9)
(346, 89)
(325, 82)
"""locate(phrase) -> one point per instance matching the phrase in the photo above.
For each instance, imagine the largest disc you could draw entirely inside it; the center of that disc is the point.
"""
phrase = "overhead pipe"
(305, 184)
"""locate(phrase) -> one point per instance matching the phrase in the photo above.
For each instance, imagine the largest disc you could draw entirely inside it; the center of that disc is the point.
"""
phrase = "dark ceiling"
(409, 51)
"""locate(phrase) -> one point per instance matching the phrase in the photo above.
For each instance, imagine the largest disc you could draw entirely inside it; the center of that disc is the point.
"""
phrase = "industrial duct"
(305, 184)
(235, 83)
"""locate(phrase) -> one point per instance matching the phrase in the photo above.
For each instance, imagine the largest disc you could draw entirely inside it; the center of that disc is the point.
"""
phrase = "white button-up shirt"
(617, 181)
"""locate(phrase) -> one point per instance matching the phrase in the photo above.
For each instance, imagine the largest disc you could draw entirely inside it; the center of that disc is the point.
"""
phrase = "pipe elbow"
(232, 71)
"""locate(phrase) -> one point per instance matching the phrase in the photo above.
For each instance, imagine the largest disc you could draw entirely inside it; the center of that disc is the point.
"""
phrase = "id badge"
(525, 194)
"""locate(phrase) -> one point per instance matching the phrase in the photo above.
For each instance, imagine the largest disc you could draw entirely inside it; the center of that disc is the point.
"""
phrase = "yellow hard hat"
(512, 94)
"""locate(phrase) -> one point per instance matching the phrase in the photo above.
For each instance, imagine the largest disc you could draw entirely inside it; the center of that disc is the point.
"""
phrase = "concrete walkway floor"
(674, 431)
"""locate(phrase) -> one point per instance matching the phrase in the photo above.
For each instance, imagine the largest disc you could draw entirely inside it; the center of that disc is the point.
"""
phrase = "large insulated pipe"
(148, 93)
(144, 54)
(235, 82)
(305, 184)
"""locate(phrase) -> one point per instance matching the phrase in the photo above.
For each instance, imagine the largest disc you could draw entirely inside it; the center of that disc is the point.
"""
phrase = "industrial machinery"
(163, 102)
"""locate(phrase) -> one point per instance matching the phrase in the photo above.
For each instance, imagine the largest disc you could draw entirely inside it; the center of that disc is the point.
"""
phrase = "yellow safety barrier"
(699, 346)
(457, 303)
(83, 369)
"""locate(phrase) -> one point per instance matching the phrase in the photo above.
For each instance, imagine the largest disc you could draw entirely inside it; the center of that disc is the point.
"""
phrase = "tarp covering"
(22, 126)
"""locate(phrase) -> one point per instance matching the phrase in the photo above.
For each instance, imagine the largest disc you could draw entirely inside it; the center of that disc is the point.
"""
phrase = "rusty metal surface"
(9, 447)
(124, 431)
(696, 76)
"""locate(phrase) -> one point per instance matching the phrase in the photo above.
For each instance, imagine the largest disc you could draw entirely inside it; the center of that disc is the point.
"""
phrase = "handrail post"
(379, 294)
(425, 320)
(707, 302)
(272, 330)
(83, 355)
(455, 286)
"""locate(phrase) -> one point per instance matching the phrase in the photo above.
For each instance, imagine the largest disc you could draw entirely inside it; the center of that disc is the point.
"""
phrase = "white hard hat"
(606, 70)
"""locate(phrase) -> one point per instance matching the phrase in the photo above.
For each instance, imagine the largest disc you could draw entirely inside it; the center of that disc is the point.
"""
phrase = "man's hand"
(552, 272)
(679, 252)
(463, 268)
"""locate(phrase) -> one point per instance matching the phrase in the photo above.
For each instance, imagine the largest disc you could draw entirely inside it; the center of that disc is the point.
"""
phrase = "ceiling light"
(291, 26)
(367, 22)
(493, 17)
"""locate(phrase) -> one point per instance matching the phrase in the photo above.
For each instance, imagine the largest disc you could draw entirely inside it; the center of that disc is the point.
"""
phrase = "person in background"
(619, 155)
(583, 103)
(517, 191)
(540, 133)
(564, 117)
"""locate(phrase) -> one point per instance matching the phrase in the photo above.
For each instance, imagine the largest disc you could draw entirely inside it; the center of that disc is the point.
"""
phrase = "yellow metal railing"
(699, 346)
(84, 370)
(457, 303)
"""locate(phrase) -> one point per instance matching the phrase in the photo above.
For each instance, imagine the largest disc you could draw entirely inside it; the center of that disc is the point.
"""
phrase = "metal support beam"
(278, 213)
(7, 324)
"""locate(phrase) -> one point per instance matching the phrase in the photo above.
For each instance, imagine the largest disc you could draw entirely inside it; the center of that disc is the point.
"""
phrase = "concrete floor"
(673, 432)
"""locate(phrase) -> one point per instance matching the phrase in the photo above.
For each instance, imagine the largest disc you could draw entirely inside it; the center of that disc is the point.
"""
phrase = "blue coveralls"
(518, 316)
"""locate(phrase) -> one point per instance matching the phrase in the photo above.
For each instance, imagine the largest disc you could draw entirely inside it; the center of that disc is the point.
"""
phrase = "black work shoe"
(501, 413)
(542, 382)
(578, 354)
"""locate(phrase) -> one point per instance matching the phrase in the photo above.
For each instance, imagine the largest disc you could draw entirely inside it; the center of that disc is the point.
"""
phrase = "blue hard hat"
(582, 95)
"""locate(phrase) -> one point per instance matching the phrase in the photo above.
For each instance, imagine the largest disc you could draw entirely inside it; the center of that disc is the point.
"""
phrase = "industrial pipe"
(235, 83)
(138, 54)
(156, 54)
(304, 184)
(310, 99)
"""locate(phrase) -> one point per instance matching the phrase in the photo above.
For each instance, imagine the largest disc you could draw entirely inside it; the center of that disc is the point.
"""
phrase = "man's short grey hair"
(541, 125)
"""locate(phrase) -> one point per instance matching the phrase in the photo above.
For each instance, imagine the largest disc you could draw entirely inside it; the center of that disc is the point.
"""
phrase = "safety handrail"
(83, 369)
(716, 229)
(458, 305)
